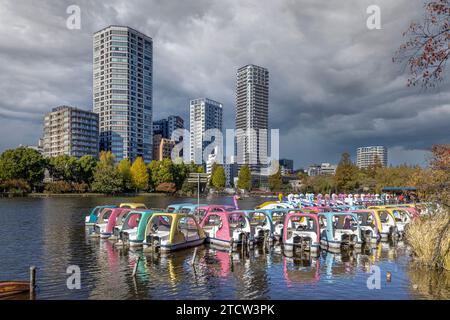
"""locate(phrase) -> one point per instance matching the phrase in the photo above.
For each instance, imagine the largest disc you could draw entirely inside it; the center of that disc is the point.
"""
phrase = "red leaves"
(428, 47)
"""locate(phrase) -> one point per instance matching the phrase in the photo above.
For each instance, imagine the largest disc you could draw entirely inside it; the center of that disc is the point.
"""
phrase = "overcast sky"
(333, 86)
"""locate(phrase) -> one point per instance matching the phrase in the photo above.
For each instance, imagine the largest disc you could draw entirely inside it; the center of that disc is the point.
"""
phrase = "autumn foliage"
(427, 47)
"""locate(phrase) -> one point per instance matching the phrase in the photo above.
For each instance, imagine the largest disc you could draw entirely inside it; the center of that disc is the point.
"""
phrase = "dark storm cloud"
(333, 86)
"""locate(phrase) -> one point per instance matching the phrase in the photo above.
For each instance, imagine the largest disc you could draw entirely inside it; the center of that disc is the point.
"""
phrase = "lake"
(50, 234)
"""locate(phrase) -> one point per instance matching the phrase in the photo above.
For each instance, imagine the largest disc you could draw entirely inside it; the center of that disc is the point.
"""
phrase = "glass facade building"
(252, 116)
(123, 91)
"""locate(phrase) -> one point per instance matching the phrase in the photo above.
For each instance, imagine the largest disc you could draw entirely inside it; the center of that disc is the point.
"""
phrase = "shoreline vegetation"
(26, 171)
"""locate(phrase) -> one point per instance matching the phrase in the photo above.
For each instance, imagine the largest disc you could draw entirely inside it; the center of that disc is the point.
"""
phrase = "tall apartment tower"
(252, 115)
(204, 114)
(165, 127)
(123, 91)
(366, 156)
(70, 131)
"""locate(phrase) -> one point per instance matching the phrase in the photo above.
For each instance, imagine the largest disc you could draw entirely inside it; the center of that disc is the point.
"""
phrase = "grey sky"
(333, 85)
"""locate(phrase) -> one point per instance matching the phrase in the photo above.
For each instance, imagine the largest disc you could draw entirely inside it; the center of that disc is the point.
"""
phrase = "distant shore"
(140, 194)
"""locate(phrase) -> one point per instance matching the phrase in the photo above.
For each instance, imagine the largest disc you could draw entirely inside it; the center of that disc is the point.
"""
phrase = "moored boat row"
(296, 227)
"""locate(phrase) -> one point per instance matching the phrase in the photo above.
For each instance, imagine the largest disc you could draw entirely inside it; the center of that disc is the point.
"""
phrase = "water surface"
(50, 234)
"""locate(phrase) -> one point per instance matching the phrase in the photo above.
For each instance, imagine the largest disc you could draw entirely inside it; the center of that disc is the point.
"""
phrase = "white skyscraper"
(366, 156)
(204, 114)
(123, 91)
(252, 115)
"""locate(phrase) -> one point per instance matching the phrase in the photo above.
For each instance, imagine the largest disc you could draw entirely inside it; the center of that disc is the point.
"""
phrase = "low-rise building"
(321, 169)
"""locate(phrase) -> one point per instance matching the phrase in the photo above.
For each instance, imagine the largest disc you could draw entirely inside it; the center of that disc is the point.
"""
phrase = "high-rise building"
(286, 166)
(231, 172)
(123, 91)
(70, 131)
(252, 115)
(205, 114)
(165, 127)
(367, 156)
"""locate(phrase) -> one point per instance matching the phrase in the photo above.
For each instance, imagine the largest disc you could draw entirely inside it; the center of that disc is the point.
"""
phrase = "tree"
(433, 183)
(346, 177)
(65, 168)
(124, 169)
(180, 172)
(318, 184)
(394, 176)
(22, 163)
(244, 178)
(139, 174)
(426, 50)
(218, 178)
(162, 171)
(106, 177)
(87, 167)
(275, 181)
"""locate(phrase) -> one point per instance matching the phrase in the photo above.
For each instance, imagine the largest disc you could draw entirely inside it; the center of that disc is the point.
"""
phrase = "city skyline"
(364, 98)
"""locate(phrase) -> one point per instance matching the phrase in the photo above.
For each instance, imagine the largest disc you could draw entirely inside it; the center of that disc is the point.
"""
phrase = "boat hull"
(10, 288)
(174, 247)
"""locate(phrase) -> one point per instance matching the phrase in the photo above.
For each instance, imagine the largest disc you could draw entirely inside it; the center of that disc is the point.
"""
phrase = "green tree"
(106, 177)
(275, 181)
(162, 171)
(218, 178)
(87, 168)
(22, 163)
(139, 174)
(180, 173)
(395, 176)
(65, 168)
(346, 178)
(124, 169)
(244, 178)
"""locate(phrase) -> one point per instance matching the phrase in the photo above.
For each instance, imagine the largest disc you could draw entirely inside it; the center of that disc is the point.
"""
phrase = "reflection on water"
(50, 234)
(429, 285)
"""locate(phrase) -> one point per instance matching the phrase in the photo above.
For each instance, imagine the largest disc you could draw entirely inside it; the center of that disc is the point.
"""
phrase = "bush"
(168, 187)
(15, 186)
(58, 187)
(80, 187)
(424, 233)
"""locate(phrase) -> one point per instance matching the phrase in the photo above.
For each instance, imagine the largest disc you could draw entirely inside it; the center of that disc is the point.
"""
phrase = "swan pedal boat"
(301, 230)
(228, 229)
(91, 219)
(108, 220)
(339, 229)
(172, 231)
(132, 232)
